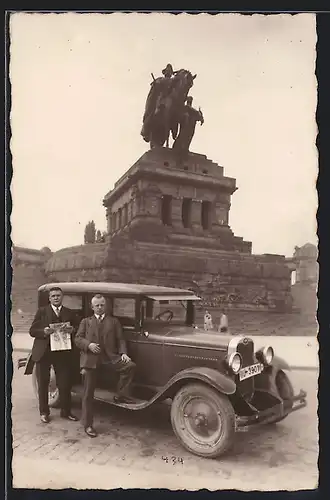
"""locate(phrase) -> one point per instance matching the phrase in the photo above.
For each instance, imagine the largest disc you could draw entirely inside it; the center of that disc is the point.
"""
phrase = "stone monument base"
(168, 224)
(237, 281)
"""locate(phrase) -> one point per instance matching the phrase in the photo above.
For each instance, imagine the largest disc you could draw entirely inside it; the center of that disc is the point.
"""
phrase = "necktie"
(57, 311)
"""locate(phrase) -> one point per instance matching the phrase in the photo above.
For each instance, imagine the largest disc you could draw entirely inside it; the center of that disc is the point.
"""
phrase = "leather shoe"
(71, 417)
(44, 419)
(91, 432)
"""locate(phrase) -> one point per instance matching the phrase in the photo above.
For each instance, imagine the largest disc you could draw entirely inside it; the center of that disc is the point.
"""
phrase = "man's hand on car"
(94, 348)
(125, 358)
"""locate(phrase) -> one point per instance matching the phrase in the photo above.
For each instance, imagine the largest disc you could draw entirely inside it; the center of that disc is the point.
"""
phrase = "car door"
(145, 351)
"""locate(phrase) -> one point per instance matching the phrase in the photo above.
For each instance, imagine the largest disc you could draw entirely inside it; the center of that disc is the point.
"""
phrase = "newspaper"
(60, 340)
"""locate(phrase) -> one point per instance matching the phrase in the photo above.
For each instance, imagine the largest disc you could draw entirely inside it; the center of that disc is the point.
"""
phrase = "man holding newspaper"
(52, 328)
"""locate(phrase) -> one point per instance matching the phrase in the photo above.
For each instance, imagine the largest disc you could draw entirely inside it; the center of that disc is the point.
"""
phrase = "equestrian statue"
(169, 111)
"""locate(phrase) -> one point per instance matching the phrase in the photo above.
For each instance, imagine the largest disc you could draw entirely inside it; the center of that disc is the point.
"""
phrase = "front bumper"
(279, 410)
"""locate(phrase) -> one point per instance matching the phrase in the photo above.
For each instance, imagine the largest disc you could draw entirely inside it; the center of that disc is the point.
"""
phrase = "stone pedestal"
(188, 203)
(168, 225)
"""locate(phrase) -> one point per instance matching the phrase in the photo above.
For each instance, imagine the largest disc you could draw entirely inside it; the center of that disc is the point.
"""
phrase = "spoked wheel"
(285, 391)
(53, 392)
(203, 420)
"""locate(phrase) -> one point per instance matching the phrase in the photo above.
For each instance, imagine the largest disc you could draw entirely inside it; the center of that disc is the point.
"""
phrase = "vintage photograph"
(164, 251)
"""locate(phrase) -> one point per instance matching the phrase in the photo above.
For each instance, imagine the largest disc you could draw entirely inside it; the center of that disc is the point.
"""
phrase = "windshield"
(174, 311)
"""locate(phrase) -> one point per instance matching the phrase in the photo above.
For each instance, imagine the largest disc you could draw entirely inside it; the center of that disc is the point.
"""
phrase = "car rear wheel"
(285, 391)
(203, 420)
(53, 392)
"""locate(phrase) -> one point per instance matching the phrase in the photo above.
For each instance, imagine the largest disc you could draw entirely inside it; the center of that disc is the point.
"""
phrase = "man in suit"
(103, 347)
(42, 355)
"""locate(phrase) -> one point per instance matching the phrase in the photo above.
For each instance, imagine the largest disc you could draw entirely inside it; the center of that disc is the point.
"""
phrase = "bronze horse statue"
(164, 104)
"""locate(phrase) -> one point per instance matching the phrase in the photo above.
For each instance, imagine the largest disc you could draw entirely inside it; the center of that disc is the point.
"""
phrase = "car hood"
(188, 336)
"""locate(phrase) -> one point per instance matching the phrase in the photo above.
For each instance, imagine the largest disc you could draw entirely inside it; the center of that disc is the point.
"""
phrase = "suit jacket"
(44, 317)
(112, 343)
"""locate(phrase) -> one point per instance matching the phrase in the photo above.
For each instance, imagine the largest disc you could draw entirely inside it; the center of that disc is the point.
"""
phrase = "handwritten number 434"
(173, 460)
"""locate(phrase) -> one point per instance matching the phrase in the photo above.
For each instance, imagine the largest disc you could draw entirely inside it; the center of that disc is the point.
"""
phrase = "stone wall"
(28, 267)
(305, 259)
(90, 256)
(143, 264)
(238, 281)
(221, 278)
(32, 268)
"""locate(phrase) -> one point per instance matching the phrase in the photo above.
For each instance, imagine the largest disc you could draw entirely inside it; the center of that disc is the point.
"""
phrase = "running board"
(106, 396)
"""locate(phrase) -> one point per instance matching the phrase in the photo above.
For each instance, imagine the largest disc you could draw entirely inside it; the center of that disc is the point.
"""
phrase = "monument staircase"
(24, 300)
(28, 275)
(21, 322)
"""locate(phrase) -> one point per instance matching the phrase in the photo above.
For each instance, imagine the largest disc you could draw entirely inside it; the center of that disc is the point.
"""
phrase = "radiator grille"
(246, 349)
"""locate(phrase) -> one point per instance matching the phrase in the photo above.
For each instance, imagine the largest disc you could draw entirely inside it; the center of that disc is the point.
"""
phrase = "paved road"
(131, 449)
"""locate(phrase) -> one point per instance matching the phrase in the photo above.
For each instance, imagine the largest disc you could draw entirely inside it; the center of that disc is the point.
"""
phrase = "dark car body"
(176, 360)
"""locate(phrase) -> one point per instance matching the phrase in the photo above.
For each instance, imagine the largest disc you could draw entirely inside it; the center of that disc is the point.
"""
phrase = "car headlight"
(235, 362)
(267, 355)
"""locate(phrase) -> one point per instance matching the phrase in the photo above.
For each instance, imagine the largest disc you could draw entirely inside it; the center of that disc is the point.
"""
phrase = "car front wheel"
(203, 420)
(53, 392)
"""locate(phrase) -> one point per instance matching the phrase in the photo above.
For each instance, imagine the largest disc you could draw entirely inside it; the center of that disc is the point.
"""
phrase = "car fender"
(280, 364)
(267, 379)
(209, 376)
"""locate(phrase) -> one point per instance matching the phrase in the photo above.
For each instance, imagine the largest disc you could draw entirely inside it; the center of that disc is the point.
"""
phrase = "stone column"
(196, 215)
(119, 218)
(177, 212)
(221, 215)
(130, 211)
(113, 222)
(125, 215)
(109, 219)
(152, 204)
(135, 207)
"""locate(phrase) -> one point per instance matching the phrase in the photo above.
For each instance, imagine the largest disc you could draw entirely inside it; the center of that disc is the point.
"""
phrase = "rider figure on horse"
(160, 87)
(165, 107)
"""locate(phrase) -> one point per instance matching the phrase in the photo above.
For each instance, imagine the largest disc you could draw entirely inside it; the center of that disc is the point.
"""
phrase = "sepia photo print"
(164, 251)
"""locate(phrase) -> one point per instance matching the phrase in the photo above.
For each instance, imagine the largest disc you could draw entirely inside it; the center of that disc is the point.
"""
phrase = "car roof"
(116, 288)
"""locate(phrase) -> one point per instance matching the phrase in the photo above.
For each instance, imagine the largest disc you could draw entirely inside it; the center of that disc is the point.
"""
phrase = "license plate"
(250, 371)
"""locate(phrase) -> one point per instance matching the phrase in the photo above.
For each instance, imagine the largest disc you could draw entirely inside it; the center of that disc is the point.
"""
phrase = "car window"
(174, 310)
(124, 307)
(73, 302)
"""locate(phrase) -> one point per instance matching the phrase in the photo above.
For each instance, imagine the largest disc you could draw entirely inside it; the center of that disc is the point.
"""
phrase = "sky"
(79, 85)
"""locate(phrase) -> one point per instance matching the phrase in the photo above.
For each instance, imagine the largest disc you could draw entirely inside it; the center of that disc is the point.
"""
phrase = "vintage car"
(216, 384)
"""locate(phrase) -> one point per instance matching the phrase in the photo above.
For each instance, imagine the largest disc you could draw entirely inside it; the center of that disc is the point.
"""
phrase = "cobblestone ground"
(139, 449)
